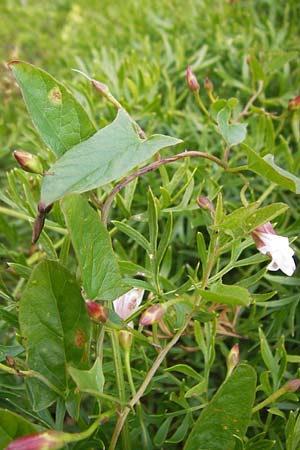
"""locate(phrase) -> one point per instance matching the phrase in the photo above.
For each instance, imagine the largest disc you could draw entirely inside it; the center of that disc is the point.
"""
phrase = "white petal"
(277, 247)
(128, 303)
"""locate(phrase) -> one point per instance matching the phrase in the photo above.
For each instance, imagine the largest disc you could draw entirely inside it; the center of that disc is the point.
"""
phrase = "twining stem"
(153, 166)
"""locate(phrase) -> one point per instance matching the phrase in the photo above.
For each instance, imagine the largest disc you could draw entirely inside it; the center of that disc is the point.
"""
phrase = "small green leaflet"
(106, 156)
(232, 133)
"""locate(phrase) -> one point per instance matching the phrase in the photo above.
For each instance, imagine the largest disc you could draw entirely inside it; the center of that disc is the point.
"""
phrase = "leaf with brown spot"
(56, 329)
(58, 116)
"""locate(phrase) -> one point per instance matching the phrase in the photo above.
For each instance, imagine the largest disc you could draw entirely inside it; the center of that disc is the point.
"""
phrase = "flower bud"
(97, 313)
(293, 385)
(191, 80)
(38, 441)
(208, 85)
(28, 162)
(205, 203)
(294, 104)
(153, 314)
(125, 339)
(232, 359)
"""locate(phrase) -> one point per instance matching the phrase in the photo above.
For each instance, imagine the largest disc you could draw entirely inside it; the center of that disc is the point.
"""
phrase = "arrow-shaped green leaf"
(107, 155)
(58, 116)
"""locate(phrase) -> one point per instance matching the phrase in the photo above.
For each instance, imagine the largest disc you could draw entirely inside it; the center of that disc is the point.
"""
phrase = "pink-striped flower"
(128, 303)
(276, 247)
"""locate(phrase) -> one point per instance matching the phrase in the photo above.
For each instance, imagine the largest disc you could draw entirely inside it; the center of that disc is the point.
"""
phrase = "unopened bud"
(97, 313)
(40, 221)
(125, 339)
(294, 104)
(293, 385)
(232, 359)
(152, 315)
(248, 59)
(191, 80)
(28, 162)
(205, 203)
(39, 441)
(208, 85)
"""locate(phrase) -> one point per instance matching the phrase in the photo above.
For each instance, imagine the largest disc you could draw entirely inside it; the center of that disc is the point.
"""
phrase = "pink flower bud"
(294, 103)
(28, 162)
(97, 313)
(191, 80)
(293, 385)
(205, 203)
(39, 441)
(152, 315)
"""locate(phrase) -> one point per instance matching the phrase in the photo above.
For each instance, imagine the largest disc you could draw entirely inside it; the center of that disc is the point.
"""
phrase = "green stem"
(271, 399)
(120, 385)
(133, 393)
(74, 437)
(200, 104)
(30, 374)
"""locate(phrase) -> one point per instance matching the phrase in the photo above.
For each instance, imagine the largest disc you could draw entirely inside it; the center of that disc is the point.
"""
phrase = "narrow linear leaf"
(101, 275)
(58, 116)
(106, 156)
(244, 220)
(135, 235)
(228, 294)
(228, 414)
(55, 328)
(267, 168)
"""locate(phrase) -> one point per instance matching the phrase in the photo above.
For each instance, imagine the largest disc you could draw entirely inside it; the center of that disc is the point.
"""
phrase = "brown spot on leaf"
(55, 96)
(79, 338)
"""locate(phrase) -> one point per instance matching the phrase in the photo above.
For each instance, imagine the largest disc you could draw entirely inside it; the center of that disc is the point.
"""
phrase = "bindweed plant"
(148, 275)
